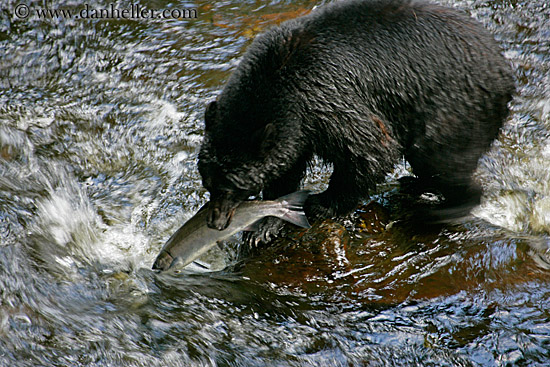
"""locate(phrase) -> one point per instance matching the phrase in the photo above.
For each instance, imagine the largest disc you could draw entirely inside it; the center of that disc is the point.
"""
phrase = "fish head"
(164, 261)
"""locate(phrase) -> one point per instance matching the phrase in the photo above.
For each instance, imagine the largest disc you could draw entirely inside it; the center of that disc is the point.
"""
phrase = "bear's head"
(228, 164)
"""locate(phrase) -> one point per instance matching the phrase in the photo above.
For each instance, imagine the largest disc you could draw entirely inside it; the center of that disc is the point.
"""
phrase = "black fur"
(360, 84)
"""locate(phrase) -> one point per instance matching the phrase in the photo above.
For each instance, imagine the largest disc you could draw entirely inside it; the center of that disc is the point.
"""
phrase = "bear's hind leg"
(451, 174)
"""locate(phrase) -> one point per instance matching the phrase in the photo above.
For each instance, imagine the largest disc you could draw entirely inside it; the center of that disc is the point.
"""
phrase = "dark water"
(100, 121)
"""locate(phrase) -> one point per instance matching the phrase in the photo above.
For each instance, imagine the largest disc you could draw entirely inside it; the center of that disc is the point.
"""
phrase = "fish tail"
(295, 204)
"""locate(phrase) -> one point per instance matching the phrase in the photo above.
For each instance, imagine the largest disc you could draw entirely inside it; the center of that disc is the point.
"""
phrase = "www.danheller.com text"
(134, 11)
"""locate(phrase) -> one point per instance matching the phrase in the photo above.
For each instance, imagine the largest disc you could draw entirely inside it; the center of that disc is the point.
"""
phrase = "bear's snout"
(220, 212)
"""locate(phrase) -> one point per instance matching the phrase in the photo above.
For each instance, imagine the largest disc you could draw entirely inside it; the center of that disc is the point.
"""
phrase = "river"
(100, 124)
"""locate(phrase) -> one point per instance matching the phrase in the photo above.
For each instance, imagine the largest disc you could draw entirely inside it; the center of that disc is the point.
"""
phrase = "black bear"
(360, 84)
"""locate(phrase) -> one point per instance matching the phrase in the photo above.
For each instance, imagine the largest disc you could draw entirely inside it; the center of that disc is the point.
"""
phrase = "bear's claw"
(268, 231)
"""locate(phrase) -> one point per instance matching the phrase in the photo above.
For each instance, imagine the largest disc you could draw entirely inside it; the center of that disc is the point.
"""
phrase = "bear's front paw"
(268, 229)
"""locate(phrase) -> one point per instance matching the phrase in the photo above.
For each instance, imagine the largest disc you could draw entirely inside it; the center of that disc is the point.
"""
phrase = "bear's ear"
(209, 115)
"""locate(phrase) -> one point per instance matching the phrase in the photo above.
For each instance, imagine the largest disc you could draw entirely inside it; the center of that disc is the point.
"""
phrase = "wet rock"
(373, 217)
(306, 261)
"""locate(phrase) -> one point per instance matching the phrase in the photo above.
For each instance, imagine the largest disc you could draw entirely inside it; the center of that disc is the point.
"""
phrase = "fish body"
(194, 238)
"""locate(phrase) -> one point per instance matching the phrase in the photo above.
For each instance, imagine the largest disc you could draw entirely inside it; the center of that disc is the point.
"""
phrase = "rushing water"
(100, 121)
